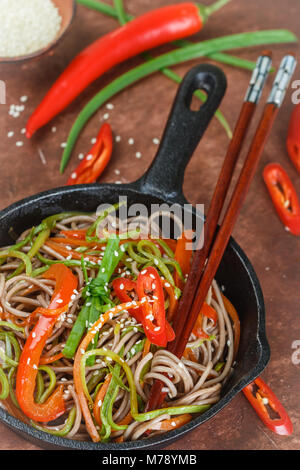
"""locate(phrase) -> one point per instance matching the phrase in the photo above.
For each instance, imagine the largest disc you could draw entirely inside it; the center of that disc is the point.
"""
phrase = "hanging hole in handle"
(198, 98)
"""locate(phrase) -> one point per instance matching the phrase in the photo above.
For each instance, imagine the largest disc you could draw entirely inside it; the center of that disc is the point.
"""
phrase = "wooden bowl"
(67, 10)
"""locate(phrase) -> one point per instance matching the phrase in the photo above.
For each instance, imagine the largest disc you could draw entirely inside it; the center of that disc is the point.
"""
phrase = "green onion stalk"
(177, 56)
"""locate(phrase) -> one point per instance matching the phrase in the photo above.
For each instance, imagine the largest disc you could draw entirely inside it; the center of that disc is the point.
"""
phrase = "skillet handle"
(183, 131)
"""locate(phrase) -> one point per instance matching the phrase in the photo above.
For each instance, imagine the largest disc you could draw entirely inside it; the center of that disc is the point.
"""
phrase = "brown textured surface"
(141, 113)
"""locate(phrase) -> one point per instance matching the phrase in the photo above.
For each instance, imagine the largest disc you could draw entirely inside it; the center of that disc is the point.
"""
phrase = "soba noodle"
(194, 379)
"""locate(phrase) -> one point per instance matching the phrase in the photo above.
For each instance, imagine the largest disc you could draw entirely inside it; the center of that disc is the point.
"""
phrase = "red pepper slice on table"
(94, 163)
(150, 30)
(284, 196)
(293, 137)
(262, 396)
(54, 407)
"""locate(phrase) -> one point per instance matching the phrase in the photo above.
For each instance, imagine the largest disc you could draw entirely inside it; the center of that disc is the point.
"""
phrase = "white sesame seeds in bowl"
(31, 28)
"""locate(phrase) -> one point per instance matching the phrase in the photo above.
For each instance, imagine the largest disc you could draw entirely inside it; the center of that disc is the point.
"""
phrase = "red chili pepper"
(259, 394)
(284, 196)
(293, 138)
(94, 163)
(54, 407)
(127, 290)
(150, 30)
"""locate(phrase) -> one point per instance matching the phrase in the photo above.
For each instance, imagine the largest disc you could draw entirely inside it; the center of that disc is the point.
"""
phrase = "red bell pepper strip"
(146, 32)
(126, 291)
(208, 312)
(54, 407)
(293, 137)
(94, 163)
(151, 296)
(259, 394)
(284, 196)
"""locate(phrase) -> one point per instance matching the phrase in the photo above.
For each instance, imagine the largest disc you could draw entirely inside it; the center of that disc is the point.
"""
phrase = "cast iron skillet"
(162, 183)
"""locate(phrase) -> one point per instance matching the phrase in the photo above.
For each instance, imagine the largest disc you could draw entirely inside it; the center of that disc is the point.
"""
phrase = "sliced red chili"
(208, 312)
(259, 395)
(126, 291)
(94, 163)
(293, 137)
(284, 196)
(54, 407)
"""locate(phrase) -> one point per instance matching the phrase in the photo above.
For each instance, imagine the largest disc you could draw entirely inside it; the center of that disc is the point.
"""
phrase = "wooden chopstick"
(197, 293)
(251, 100)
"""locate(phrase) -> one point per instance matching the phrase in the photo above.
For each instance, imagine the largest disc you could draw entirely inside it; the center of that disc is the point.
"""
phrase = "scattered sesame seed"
(81, 156)
(117, 172)
(138, 154)
(74, 175)
(89, 157)
(118, 138)
(53, 129)
(23, 131)
(118, 182)
(19, 143)
(110, 106)
(131, 141)
(63, 145)
(10, 134)
(93, 140)
(155, 141)
(106, 116)
(23, 99)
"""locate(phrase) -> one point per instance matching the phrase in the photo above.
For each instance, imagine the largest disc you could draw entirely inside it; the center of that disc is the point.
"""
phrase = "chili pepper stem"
(205, 11)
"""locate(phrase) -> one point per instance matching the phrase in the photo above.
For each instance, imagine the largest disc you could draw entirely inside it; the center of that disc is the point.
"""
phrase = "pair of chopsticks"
(206, 260)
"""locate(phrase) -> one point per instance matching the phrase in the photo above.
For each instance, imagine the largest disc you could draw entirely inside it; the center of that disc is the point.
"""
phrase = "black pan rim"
(47, 440)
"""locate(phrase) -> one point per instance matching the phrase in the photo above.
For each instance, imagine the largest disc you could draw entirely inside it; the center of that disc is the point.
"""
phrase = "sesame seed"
(106, 116)
(89, 157)
(23, 131)
(53, 129)
(110, 106)
(93, 140)
(155, 141)
(19, 143)
(131, 141)
(81, 156)
(10, 134)
(63, 145)
(74, 176)
(118, 138)
(138, 154)
(23, 99)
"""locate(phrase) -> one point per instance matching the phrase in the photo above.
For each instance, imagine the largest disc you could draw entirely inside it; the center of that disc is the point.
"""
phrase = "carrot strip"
(170, 424)
(183, 256)
(91, 428)
(48, 360)
(126, 420)
(236, 323)
(64, 251)
(146, 349)
(99, 399)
